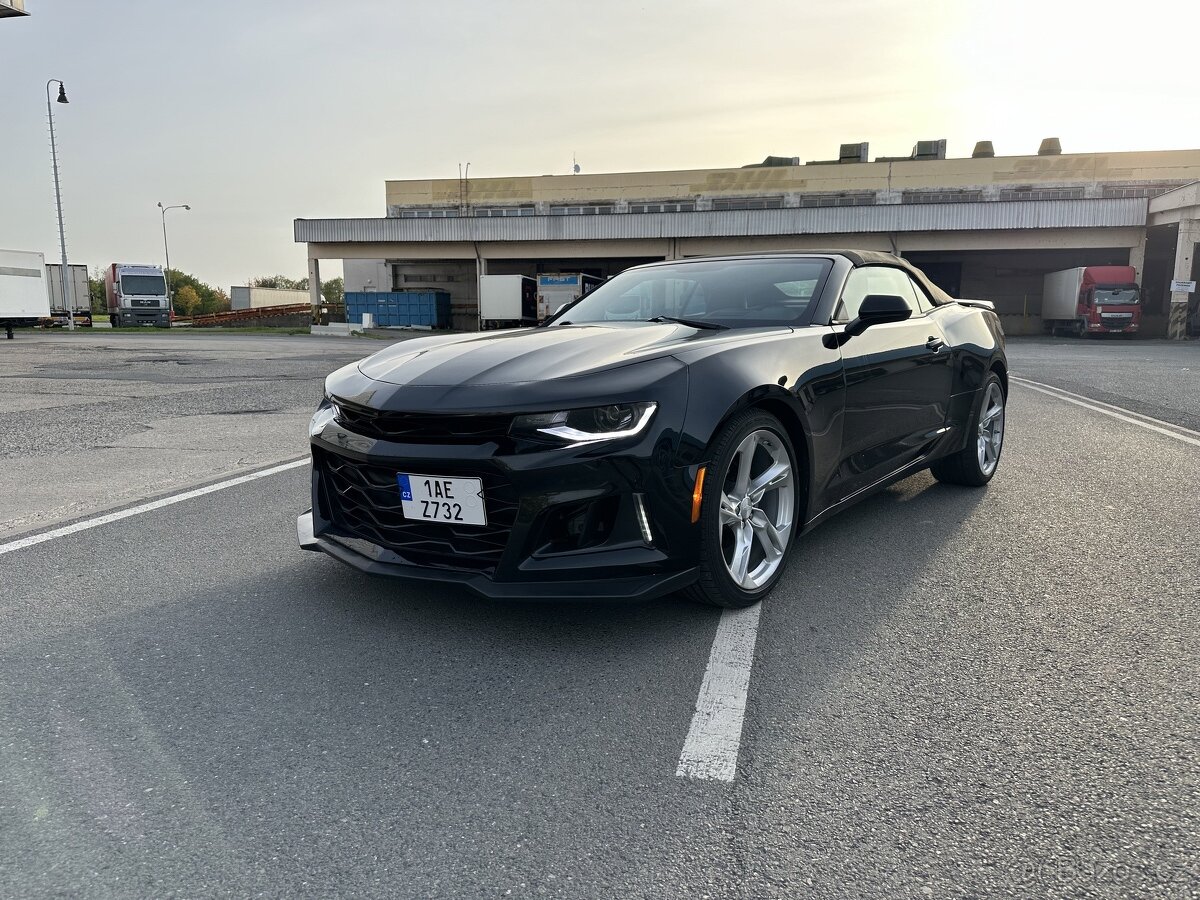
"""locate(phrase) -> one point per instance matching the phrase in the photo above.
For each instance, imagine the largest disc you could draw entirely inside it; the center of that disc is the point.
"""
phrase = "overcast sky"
(256, 113)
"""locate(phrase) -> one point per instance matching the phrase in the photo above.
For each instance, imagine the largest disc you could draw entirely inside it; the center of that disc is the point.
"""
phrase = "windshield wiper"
(690, 323)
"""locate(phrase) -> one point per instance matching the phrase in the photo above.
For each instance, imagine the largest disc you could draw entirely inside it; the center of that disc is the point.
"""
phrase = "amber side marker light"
(697, 492)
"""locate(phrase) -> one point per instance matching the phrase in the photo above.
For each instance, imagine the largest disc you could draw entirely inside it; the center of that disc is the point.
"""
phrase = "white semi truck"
(24, 300)
(137, 295)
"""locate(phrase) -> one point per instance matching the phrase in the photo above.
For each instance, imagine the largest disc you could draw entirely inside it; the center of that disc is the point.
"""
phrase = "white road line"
(76, 527)
(1125, 415)
(711, 748)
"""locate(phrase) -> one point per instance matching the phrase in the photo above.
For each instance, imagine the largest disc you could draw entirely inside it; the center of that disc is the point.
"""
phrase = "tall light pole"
(167, 252)
(67, 299)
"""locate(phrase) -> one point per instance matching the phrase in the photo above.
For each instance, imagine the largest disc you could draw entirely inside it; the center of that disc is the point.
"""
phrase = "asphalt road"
(955, 693)
(96, 421)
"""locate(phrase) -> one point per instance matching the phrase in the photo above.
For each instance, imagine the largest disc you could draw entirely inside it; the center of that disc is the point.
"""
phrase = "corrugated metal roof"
(985, 216)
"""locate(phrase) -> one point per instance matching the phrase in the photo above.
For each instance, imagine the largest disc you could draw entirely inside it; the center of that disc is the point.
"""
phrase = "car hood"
(527, 354)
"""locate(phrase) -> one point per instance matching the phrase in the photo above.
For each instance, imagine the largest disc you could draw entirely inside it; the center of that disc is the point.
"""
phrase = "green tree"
(333, 290)
(206, 293)
(96, 294)
(280, 282)
(220, 301)
(186, 301)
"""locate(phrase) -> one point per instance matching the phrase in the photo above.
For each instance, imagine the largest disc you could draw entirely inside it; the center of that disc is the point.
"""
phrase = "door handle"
(935, 344)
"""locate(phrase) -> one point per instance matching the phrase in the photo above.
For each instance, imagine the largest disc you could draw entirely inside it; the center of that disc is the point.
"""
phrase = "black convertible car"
(676, 429)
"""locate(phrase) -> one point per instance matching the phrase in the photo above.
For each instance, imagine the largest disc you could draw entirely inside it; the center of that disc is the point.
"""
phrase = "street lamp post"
(67, 299)
(167, 252)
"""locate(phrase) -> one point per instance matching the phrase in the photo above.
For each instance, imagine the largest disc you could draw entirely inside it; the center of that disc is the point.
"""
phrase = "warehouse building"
(985, 226)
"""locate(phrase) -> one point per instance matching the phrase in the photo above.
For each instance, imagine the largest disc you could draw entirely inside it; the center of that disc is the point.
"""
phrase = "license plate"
(432, 498)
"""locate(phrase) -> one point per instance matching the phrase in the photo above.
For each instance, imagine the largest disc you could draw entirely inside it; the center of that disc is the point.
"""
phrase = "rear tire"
(975, 464)
(750, 512)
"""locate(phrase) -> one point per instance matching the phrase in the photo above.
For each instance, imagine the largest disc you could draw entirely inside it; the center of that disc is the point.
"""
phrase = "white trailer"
(78, 277)
(260, 297)
(507, 301)
(1060, 294)
(80, 295)
(23, 296)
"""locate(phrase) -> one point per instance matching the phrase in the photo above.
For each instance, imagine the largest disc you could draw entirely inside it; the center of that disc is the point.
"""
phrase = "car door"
(898, 381)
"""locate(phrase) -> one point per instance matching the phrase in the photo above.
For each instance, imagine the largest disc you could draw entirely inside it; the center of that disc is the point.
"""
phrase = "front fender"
(791, 373)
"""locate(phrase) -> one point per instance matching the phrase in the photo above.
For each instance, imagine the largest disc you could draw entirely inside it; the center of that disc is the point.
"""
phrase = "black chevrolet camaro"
(677, 429)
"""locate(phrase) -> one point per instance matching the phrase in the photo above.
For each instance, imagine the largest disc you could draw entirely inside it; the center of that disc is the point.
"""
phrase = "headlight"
(586, 426)
(323, 416)
(328, 402)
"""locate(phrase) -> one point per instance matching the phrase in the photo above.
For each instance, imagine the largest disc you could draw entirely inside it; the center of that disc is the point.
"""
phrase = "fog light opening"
(639, 501)
(698, 493)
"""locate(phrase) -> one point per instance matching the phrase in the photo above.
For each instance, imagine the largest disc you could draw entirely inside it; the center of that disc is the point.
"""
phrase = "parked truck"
(1092, 300)
(137, 295)
(24, 300)
(80, 302)
(507, 301)
(556, 289)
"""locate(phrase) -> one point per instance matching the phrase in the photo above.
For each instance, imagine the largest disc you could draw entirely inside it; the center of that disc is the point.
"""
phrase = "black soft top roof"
(856, 257)
(879, 258)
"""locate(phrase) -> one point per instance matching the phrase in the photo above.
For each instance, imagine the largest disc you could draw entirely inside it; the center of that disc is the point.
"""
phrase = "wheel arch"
(781, 404)
(1000, 367)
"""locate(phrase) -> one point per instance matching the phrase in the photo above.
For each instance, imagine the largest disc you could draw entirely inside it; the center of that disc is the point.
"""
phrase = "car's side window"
(852, 295)
(866, 280)
(923, 301)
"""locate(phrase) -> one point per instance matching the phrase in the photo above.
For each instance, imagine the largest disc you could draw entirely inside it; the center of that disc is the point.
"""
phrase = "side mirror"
(879, 309)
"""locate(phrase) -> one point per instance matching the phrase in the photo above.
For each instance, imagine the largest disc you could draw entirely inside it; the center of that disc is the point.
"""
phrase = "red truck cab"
(1109, 299)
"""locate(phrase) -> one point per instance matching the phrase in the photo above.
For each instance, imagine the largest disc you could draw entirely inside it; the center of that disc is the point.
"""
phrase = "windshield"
(1106, 297)
(739, 293)
(144, 285)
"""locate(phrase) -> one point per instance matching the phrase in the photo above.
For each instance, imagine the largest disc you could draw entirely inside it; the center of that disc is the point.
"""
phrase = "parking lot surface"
(954, 692)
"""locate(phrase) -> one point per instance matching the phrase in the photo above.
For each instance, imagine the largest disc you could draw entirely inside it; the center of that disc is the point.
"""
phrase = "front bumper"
(595, 521)
(141, 316)
(375, 560)
(1114, 325)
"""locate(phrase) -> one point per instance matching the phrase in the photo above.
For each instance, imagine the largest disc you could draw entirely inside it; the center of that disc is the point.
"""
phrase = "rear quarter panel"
(978, 341)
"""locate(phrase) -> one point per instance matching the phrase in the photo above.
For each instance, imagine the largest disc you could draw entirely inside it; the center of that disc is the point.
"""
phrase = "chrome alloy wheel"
(758, 501)
(991, 428)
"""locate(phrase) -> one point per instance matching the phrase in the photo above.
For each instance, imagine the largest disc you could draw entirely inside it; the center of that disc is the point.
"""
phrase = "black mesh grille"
(424, 428)
(364, 501)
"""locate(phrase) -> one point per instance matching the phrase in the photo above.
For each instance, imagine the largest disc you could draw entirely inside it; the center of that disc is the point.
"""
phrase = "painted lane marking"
(715, 736)
(77, 527)
(1178, 432)
(1119, 409)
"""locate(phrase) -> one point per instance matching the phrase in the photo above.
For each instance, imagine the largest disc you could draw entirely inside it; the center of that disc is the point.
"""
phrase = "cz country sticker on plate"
(433, 498)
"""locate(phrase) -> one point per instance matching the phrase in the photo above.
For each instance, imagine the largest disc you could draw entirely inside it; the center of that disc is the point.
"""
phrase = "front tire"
(975, 464)
(750, 512)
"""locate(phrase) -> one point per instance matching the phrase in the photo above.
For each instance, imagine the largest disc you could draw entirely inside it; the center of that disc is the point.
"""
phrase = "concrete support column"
(314, 282)
(1137, 257)
(480, 271)
(1185, 250)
